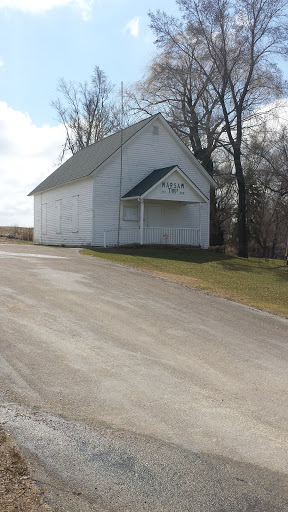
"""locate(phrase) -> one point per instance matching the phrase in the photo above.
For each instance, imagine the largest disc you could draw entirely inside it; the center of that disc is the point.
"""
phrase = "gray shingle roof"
(148, 182)
(83, 163)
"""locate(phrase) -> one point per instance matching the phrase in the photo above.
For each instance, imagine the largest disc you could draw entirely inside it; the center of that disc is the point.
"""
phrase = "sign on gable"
(174, 188)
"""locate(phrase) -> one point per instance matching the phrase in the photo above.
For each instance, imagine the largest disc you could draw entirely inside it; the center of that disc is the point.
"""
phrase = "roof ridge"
(107, 137)
(72, 168)
(119, 131)
(148, 119)
(134, 124)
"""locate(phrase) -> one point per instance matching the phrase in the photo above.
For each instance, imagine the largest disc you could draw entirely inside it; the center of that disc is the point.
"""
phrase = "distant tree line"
(215, 78)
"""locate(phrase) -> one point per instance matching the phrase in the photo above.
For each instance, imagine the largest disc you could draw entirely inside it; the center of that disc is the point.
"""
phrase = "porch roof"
(148, 182)
(155, 177)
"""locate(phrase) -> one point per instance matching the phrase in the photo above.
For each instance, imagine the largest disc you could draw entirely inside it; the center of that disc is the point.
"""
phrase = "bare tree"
(266, 164)
(232, 45)
(174, 85)
(86, 111)
(273, 151)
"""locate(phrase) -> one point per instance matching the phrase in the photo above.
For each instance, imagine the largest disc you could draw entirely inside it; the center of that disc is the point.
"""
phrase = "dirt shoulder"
(17, 490)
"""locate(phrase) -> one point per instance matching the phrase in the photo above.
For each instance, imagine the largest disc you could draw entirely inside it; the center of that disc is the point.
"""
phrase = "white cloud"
(38, 6)
(27, 156)
(1, 62)
(133, 27)
(276, 113)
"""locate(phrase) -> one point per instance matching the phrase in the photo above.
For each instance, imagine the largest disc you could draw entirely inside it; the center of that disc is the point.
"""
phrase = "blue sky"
(40, 42)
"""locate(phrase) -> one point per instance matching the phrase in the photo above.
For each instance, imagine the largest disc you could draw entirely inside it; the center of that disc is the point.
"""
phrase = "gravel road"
(127, 392)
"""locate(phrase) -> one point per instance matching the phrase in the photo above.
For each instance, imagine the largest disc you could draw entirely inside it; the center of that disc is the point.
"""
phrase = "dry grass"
(16, 233)
(17, 490)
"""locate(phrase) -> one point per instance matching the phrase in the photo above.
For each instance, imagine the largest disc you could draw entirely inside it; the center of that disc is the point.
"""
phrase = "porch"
(163, 209)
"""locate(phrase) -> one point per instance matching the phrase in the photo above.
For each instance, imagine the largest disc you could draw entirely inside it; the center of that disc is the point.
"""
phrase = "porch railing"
(153, 236)
(171, 236)
(126, 237)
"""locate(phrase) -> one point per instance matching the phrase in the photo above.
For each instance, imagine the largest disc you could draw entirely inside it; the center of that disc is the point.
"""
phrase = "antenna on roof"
(121, 161)
(122, 105)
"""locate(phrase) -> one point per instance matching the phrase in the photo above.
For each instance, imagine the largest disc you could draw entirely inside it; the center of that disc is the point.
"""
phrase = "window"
(58, 215)
(130, 213)
(44, 219)
(155, 130)
(75, 214)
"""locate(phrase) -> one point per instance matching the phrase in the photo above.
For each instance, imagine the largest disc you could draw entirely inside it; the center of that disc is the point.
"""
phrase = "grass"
(255, 282)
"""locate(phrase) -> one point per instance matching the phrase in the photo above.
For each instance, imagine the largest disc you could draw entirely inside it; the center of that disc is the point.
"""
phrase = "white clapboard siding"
(145, 152)
(69, 214)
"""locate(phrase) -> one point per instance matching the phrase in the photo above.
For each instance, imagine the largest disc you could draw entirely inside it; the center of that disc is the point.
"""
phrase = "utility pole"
(121, 163)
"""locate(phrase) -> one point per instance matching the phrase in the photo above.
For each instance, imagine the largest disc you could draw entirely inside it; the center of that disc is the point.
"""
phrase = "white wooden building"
(148, 190)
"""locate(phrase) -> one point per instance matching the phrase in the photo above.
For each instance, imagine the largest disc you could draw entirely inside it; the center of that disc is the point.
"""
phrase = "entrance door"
(153, 216)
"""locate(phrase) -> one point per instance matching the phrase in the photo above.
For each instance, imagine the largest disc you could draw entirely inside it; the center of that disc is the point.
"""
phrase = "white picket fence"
(152, 236)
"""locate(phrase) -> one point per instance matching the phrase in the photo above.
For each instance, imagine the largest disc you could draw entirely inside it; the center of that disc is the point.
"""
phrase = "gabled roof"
(87, 160)
(148, 182)
(155, 177)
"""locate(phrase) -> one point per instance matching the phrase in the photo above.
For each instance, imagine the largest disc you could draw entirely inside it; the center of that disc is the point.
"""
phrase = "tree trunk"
(242, 223)
(276, 231)
(216, 233)
(203, 155)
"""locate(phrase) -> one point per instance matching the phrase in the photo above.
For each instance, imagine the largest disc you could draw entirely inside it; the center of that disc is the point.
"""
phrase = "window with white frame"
(75, 214)
(44, 219)
(130, 213)
(58, 215)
